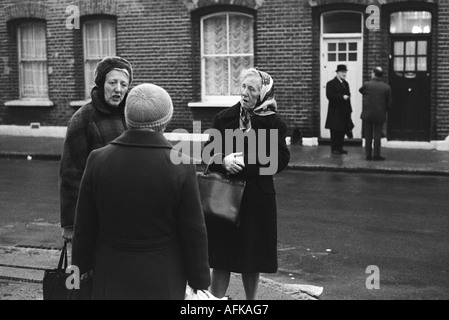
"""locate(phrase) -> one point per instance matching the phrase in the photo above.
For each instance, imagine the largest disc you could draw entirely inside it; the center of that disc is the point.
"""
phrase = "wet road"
(398, 223)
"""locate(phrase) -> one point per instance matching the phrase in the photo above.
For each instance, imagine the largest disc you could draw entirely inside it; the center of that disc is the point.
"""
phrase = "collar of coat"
(143, 138)
(100, 104)
(339, 80)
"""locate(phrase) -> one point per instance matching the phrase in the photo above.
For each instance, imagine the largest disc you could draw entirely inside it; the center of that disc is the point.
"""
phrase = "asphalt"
(21, 269)
(399, 161)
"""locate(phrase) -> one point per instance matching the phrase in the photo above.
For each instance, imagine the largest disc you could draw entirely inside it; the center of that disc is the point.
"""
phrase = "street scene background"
(333, 222)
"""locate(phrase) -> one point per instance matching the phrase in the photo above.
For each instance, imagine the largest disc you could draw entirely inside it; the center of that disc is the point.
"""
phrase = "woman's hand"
(88, 275)
(234, 163)
(67, 234)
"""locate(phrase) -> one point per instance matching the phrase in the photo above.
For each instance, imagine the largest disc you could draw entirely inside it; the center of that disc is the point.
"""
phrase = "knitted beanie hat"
(148, 106)
(107, 65)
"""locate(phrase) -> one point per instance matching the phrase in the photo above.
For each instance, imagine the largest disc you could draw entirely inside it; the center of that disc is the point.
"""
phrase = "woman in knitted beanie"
(139, 222)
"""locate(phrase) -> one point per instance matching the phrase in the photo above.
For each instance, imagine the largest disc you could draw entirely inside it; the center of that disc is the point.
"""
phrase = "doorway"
(410, 77)
(342, 43)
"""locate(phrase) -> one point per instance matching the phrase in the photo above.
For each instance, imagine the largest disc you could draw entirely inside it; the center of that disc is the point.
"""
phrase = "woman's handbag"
(220, 195)
(54, 284)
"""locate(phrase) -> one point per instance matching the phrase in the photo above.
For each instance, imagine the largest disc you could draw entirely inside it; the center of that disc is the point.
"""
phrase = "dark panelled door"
(410, 82)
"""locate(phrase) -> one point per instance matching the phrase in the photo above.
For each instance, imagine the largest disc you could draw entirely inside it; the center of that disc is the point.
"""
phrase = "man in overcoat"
(377, 101)
(339, 120)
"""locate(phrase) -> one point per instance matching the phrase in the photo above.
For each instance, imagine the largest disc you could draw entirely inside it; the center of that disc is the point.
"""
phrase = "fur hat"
(107, 65)
(148, 106)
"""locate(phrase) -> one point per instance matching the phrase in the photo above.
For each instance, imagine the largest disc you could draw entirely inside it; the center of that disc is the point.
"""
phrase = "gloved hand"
(67, 234)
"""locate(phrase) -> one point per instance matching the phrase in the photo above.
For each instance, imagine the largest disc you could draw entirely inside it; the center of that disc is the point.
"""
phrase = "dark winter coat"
(251, 247)
(377, 101)
(340, 110)
(139, 222)
(91, 127)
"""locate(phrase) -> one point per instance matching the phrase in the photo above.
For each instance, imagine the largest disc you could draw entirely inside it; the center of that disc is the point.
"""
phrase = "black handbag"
(221, 196)
(54, 283)
(54, 286)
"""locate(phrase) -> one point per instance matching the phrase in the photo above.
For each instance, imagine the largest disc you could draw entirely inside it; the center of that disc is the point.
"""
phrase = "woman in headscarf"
(251, 247)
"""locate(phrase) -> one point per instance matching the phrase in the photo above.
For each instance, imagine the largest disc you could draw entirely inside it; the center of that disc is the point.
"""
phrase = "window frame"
(411, 33)
(342, 35)
(100, 21)
(229, 99)
(22, 96)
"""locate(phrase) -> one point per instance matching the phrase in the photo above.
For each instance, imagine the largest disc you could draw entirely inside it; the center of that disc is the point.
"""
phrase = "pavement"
(399, 161)
(21, 269)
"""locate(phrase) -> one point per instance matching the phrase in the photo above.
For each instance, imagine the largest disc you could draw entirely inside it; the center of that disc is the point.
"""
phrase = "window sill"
(211, 104)
(79, 104)
(30, 103)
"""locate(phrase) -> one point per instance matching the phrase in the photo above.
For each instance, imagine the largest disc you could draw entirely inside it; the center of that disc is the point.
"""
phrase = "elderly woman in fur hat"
(93, 126)
(251, 247)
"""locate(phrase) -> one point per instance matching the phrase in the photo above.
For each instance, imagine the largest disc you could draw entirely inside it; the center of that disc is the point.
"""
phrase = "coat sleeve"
(282, 152)
(86, 222)
(193, 234)
(73, 162)
(333, 94)
(363, 89)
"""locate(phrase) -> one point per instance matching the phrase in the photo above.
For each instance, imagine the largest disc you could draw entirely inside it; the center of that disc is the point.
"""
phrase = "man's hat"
(342, 68)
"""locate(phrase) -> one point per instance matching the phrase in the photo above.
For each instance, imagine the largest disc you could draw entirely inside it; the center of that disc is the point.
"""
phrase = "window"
(342, 22)
(33, 75)
(410, 56)
(342, 51)
(99, 42)
(416, 22)
(226, 49)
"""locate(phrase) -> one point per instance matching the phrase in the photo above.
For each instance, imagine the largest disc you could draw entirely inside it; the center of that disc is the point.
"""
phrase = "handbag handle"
(210, 162)
(63, 260)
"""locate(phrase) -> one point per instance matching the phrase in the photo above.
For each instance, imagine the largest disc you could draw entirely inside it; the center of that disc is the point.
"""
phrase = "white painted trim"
(26, 131)
(60, 132)
(80, 103)
(416, 145)
(310, 142)
(213, 104)
(29, 103)
(193, 137)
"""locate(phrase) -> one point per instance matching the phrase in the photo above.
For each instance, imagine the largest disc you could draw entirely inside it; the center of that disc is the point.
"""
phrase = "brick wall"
(284, 49)
(162, 41)
(442, 92)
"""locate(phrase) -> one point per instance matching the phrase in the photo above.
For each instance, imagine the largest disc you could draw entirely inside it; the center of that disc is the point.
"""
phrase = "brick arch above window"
(23, 10)
(318, 3)
(97, 7)
(197, 4)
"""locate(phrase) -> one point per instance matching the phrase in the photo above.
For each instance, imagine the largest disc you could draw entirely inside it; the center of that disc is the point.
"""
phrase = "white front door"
(348, 51)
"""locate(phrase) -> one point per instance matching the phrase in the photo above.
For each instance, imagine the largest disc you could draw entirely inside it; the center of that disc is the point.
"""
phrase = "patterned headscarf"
(265, 106)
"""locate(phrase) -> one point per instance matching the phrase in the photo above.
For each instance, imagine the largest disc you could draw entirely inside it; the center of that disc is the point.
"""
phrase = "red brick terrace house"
(196, 49)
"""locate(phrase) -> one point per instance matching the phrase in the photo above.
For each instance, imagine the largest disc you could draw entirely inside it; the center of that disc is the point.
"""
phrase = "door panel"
(348, 52)
(410, 82)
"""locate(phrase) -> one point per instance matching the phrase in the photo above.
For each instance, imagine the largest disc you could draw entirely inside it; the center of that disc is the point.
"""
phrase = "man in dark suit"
(339, 114)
